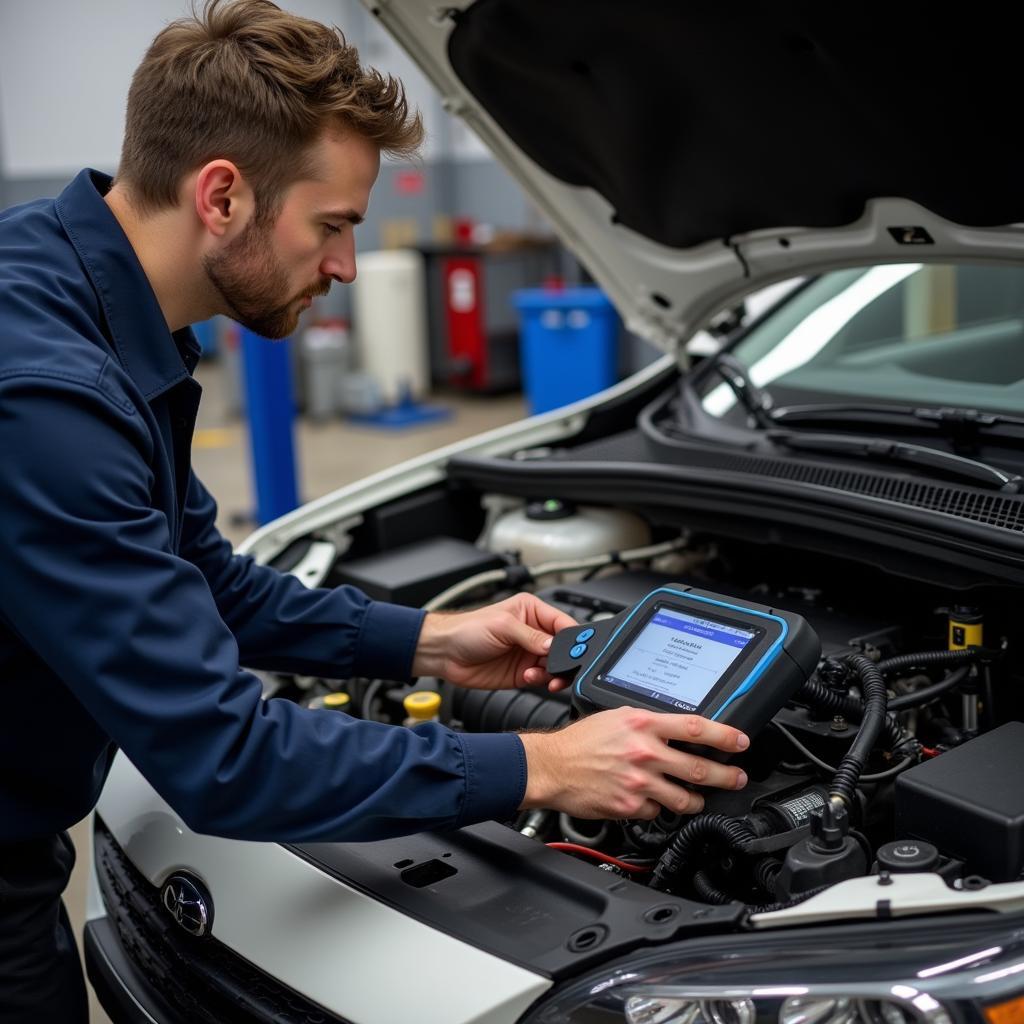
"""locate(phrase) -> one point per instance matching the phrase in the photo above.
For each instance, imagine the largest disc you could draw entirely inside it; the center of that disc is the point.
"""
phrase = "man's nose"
(341, 265)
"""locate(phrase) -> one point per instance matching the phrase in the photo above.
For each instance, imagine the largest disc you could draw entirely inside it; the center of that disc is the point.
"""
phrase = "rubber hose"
(872, 688)
(924, 658)
(822, 697)
(707, 891)
(574, 835)
(507, 710)
(766, 873)
(926, 693)
(710, 893)
(850, 707)
(715, 827)
(843, 704)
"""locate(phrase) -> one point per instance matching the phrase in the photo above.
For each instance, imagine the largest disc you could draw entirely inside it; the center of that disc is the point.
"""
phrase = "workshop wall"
(65, 68)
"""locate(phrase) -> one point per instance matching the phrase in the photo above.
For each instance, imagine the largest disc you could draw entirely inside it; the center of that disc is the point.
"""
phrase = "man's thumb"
(533, 640)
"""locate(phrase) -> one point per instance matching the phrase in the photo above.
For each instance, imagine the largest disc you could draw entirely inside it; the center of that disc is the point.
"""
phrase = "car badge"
(188, 905)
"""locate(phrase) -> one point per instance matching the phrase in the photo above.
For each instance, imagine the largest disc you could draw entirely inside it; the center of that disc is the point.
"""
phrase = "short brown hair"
(248, 82)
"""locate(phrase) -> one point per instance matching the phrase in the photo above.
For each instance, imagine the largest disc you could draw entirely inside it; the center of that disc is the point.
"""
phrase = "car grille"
(200, 979)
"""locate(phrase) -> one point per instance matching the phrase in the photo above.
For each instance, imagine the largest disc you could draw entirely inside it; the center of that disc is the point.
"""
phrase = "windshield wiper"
(757, 402)
(963, 426)
(900, 451)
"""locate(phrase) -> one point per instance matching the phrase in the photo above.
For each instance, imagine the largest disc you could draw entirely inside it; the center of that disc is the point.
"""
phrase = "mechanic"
(252, 141)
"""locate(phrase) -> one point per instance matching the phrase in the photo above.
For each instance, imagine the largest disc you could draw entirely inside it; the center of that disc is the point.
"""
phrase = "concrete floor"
(329, 455)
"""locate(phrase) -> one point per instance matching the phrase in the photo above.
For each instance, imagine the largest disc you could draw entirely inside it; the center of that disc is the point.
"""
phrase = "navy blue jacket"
(124, 614)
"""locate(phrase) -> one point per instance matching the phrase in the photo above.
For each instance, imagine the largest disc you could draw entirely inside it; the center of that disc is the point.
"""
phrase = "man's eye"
(332, 229)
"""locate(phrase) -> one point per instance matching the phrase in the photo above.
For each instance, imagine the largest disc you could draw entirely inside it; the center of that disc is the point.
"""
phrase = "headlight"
(666, 1010)
(812, 1008)
(926, 971)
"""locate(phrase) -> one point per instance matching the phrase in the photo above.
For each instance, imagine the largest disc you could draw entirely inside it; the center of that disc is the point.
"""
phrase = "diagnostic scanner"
(685, 650)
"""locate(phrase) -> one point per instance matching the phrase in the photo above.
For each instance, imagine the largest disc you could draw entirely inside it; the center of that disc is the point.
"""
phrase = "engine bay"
(899, 754)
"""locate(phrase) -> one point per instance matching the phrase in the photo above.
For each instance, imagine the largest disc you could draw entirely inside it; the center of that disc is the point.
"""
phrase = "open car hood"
(691, 153)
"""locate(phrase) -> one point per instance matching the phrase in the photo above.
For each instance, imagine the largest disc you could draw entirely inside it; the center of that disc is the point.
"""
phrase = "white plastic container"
(390, 323)
(539, 534)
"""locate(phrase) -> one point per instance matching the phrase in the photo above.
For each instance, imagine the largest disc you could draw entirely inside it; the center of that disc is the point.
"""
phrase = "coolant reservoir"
(553, 530)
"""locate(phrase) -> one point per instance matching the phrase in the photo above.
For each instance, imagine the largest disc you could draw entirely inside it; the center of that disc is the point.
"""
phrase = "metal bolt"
(838, 724)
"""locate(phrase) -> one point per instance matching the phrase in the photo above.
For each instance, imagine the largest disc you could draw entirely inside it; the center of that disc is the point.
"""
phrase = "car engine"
(935, 789)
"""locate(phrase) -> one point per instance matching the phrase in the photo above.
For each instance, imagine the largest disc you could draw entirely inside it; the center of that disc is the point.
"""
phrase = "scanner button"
(584, 636)
(578, 651)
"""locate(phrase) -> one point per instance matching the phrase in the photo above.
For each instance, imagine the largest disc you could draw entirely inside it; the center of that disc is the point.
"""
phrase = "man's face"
(271, 272)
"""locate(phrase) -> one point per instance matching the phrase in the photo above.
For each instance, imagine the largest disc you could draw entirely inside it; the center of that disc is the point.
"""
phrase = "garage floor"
(330, 455)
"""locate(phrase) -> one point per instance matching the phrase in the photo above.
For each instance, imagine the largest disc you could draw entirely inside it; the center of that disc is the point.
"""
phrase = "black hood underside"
(701, 121)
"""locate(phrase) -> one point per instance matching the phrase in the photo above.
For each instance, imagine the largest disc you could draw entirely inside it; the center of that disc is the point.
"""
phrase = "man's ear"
(224, 200)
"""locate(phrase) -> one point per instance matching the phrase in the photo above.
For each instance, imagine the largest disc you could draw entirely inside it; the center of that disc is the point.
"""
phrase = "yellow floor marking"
(215, 437)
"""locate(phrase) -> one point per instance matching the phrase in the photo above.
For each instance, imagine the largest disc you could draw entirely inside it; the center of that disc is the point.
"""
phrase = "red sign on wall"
(409, 183)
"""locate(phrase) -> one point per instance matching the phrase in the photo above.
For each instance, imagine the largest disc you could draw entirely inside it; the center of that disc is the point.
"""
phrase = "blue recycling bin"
(568, 344)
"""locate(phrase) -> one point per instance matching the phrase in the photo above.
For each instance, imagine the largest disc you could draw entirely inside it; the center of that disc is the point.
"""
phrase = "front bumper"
(145, 969)
(120, 989)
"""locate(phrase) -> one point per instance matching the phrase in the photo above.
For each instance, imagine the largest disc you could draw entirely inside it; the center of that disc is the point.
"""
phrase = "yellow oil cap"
(338, 701)
(422, 705)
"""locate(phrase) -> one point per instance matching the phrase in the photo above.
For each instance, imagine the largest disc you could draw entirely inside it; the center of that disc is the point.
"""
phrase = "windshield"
(926, 334)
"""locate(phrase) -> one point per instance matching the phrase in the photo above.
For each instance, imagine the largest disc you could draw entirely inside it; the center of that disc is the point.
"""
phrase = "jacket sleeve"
(284, 626)
(91, 583)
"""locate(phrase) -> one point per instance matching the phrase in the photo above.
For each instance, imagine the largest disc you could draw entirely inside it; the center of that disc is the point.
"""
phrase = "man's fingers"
(695, 729)
(536, 676)
(701, 771)
(675, 798)
(647, 811)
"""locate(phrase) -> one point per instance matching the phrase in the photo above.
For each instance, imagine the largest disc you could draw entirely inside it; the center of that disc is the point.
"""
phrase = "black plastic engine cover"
(969, 803)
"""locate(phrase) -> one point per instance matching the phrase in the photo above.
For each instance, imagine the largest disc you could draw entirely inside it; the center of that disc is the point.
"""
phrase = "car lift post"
(270, 412)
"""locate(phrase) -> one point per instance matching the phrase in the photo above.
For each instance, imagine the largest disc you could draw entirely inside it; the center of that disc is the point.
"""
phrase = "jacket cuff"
(387, 640)
(495, 765)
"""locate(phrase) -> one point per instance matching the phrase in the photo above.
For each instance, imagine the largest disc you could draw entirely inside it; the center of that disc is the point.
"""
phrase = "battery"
(414, 573)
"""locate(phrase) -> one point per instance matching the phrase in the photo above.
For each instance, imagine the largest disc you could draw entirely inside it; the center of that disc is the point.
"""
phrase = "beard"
(254, 285)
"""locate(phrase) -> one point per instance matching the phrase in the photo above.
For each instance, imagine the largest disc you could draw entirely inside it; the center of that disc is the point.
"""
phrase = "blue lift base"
(402, 416)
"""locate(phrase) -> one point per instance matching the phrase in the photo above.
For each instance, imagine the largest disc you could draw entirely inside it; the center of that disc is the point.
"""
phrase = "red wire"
(930, 752)
(598, 855)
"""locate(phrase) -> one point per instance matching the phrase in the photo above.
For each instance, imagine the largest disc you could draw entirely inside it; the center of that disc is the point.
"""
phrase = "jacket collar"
(151, 355)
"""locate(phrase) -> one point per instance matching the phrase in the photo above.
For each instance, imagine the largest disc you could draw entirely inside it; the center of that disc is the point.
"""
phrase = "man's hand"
(493, 648)
(614, 764)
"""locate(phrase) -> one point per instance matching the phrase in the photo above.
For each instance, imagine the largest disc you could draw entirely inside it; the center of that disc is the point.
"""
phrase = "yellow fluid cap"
(966, 627)
(422, 705)
(338, 701)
